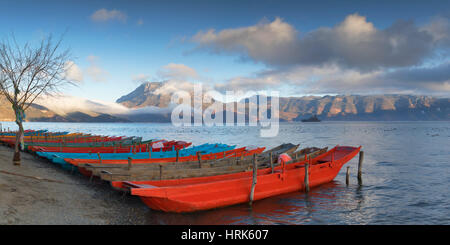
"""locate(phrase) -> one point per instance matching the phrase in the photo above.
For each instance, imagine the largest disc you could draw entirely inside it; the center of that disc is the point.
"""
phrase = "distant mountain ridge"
(340, 107)
(149, 103)
(145, 95)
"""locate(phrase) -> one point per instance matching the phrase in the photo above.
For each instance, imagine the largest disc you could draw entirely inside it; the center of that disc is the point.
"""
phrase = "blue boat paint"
(58, 157)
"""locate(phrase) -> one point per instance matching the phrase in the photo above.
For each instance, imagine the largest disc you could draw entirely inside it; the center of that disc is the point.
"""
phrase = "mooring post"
(360, 163)
(271, 160)
(160, 172)
(129, 162)
(255, 173)
(150, 148)
(307, 175)
(199, 158)
(347, 176)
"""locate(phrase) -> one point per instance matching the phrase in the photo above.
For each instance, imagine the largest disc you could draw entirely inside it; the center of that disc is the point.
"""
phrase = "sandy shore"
(60, 197)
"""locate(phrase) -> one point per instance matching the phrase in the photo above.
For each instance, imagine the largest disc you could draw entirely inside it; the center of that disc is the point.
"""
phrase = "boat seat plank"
(134, 185)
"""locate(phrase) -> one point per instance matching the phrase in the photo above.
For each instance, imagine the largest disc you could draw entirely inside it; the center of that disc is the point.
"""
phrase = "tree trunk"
(16, 158)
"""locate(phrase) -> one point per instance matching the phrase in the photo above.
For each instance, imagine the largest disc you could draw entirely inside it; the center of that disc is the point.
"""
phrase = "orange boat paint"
(203, 193)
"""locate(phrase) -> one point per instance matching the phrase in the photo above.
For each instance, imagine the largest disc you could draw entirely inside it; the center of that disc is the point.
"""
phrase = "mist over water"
(406, 171)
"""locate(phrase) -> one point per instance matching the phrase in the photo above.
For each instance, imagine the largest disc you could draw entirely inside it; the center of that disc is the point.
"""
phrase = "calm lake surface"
(406, 172)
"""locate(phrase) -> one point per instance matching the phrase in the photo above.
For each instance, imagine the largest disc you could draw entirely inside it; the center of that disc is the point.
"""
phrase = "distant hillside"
(148, 103)
(370, 107)
(341, 107)
(145, 95)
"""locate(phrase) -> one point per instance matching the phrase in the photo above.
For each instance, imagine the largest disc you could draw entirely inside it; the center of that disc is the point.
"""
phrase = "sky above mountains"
(298, 48)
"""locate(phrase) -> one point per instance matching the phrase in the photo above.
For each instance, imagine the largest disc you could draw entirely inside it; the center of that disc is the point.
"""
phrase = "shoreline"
(40, 193)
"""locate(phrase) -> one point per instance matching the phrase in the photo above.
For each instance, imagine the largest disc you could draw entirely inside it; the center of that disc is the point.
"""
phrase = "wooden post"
(199, 158)
(307, 175)
(255, 173)
(150, 149)
(99, 157)
(347, 176)
(129, 162)
(332, 157)
(178, 155)
(160, 172)
(360, 163)
(271, 160)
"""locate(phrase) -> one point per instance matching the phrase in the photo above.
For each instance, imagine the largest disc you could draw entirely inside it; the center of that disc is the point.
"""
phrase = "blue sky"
(141, 38)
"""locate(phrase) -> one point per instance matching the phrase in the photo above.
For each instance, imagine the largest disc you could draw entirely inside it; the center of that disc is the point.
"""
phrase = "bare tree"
(28, 72)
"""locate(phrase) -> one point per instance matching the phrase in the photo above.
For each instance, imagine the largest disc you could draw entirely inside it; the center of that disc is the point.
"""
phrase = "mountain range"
(150, 102)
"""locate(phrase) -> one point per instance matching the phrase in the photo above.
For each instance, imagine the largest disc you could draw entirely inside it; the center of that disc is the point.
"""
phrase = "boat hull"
(208, 195)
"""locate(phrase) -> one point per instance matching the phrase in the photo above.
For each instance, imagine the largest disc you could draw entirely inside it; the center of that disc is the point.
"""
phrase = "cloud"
(332, 79)
(140, 22)
(104, 15)
(94, 71)
(266, 42)
(73, 72)
(354, 43)
(354, 56)
(140, 78)
(177, 71)
(64, 104)
(172, 86)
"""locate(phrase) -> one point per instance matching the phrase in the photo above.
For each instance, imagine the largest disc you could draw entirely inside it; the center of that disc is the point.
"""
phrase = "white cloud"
(262, 42)
(354, 43)
(139, 78)
(350, 57)
(94, 71)
(172, 86)
(63, 104)
(177, 71)
(73, 72)
(104, 15)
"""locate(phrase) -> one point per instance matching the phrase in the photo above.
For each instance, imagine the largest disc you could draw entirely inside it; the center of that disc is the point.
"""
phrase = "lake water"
(406, 172)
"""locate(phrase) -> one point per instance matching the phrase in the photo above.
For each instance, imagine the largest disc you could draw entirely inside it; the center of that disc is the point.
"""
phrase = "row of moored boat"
(177, 176)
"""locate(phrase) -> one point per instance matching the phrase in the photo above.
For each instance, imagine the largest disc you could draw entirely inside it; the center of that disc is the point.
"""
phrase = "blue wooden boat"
(58, 157)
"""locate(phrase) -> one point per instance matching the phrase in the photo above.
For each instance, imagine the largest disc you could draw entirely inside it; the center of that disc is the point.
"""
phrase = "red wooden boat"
(238, 152)
(167, 146)
(202, 193)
